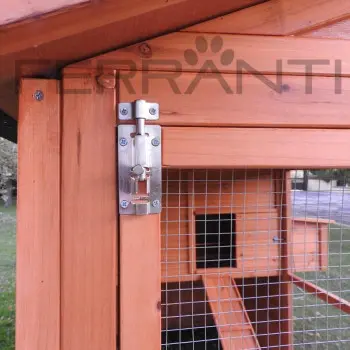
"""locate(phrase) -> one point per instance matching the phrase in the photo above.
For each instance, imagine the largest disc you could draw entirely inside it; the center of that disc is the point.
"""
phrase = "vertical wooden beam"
(323, 234)
(140, 282)
(191, 224)
(38, 217)
(284, 203)
(89, 215)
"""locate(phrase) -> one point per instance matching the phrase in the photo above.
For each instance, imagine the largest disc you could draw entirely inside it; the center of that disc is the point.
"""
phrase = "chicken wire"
(232, 240)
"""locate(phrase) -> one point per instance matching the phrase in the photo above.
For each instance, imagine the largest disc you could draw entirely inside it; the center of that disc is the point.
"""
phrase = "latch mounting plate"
(139, 160)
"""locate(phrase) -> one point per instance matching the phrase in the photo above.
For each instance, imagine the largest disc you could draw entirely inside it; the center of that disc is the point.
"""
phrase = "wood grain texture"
(231, 318)
(277, 17)
(17, 10)
(89, 217)
(38, 218)
(51, 43)
(254, 148)
(336, 30)
(284, 204)
(311, 237)
(207, 53)
(250, 103)
(321, 293)
(67, 24)
(140, 282)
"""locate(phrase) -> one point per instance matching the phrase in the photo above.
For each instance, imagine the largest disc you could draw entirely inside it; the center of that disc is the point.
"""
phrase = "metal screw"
(152, 111)
(38, 95)
(156, 203)
(124, 204)
(145, 50)
(124, 111)
(123, 141)
(155, 142)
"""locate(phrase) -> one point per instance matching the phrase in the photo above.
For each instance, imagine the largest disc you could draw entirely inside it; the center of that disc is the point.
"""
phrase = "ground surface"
(7, 277)
(334, 205)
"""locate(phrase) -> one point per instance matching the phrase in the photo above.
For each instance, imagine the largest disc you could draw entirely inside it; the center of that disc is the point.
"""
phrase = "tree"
(8, 169)
(342, 176)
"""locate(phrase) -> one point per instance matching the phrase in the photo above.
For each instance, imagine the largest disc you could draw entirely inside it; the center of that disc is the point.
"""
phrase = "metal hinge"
(139, 159)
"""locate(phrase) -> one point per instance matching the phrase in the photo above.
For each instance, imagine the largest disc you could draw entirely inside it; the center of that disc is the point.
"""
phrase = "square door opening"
(215, 240)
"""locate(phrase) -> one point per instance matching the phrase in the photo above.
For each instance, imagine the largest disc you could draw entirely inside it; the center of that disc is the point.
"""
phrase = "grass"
(7, 277)
(316, 324)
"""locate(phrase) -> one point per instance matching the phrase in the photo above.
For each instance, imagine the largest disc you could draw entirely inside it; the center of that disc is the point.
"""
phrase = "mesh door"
(255, 259)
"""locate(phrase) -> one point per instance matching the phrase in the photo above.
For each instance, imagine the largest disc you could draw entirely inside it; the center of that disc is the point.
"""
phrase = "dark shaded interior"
(187, 321)
(216, 240)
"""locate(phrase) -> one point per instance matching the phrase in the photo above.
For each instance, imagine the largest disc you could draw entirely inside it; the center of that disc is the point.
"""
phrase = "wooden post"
(283, 202)
(89, 215)
(140, 282)
(38, 217)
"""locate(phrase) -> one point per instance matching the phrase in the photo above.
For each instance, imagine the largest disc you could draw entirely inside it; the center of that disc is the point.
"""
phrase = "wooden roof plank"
(278, 17)
(71, 23)
(13, 11)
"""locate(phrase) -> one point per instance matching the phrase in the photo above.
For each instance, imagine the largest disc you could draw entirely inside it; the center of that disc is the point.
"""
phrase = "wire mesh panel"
(255, 259)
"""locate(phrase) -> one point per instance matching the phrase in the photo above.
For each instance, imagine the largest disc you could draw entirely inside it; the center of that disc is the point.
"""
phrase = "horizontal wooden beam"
(190, 147)
(230, 54)
(240, 100)
(321, 293)
(277, 17)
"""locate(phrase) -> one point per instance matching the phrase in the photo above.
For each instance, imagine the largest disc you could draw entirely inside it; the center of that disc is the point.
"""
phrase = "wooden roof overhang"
(41, 46)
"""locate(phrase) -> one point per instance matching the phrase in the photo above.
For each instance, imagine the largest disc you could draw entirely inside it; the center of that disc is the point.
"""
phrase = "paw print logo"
(216, 45)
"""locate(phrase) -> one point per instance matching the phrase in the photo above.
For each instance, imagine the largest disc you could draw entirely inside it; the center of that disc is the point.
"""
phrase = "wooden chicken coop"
(155, 201)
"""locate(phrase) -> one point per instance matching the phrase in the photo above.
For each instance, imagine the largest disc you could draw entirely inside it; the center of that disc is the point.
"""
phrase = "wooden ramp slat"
(232, 321)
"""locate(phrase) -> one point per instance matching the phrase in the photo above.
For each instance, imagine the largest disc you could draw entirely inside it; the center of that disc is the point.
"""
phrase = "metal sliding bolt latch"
(139, 154)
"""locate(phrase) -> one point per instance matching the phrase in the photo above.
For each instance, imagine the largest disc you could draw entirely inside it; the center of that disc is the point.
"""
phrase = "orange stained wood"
(254, 148)
(336, 30)
(320, 293)
(312, 238)
(278, 17)
(284, 204)
(231, 319)
(38, 218)
(227, 53)
(89, 217)
(17, 38)
(13, 11)
(242, 100)
(45, 45)
(263, 302)
(140, 282)
(248, 195)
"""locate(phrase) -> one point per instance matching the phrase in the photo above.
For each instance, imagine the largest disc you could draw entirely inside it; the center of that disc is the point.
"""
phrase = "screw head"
(152, 111)
(155, 142)
(123, 141)
(123, 111)
(156, 203)
(124, 204)
(38, 95)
